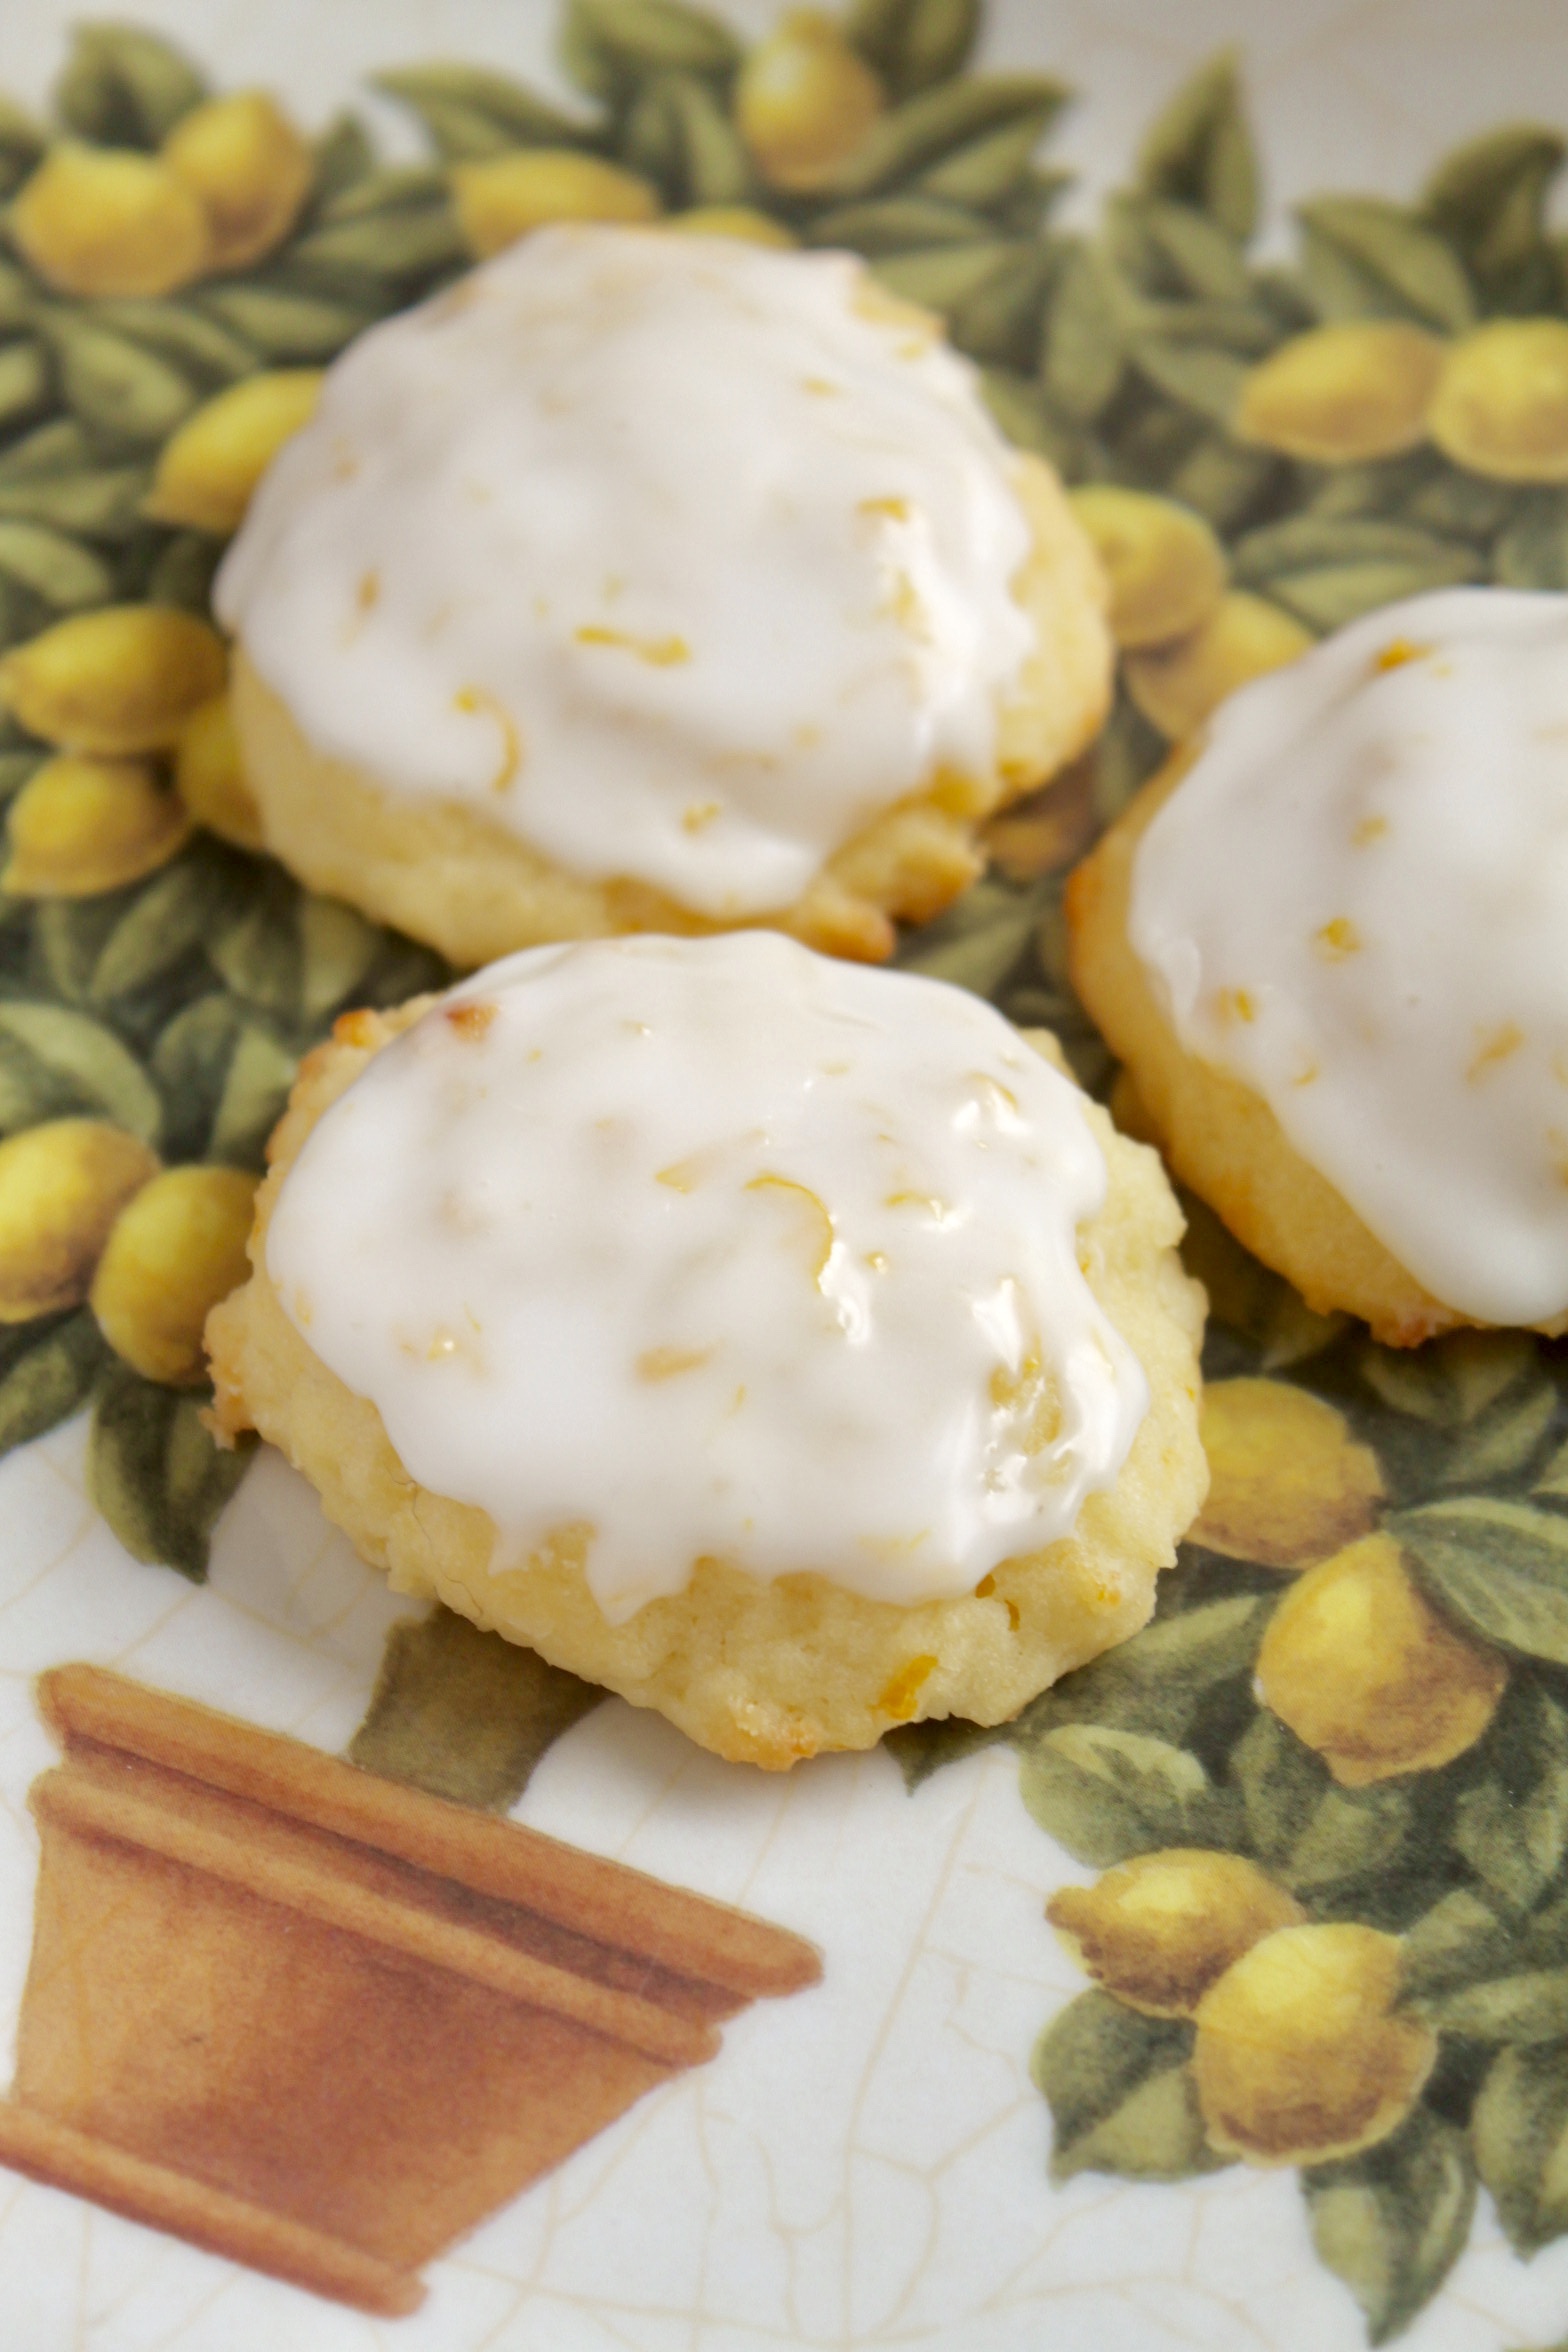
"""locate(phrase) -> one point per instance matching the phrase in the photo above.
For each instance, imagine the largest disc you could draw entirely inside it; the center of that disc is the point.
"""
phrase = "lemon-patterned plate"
(374, 1985)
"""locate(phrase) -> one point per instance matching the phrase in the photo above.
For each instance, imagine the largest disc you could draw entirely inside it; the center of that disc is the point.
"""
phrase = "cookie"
(647, 582)
(1325, 942)
(789, 1347)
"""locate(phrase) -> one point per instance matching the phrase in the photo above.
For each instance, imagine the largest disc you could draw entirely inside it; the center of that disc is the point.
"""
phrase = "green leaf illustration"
(1503, 1441)
(1512, 1827)
(337, 947)
(1192, 252)
(288, 327)
(1282, 1785)
(1393, 2221)
(115, 386)
(1525, 2010)
(156, 1474)
(976, 944)
(1520, 2133)
(471, 111)
(1120, 2092)
(1083, 344)
(258, 953)
(1199, 150)
(1224, 482)
(1488, 197)
(999, 323)
(943, 277)
(919, 1749)
(936, 123)
(1533, 551)
(1351, 1835)
(1021, 409)
(1106, 1794)
(1460, 1941)
(1551, 1480)
(997, 173)
(255, 1089)
(344, 154)
(465, 1714)
(102, 502)
(55, 567)
(1204, 378)
(47, 1370)
(124, 86)
(899, 224)
(55, 1062)
(1500, 1567)
(1365, 256)
(163, 922)
(914, 43)
(394, 255)
(1454, 1380)
(609, 46)
(1157, 1682)
(183, 334)
(1125, 757)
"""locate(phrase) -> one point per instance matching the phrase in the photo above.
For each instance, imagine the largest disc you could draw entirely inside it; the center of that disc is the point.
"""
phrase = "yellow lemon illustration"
(501, 200)
(208, 469)
(101, 221)
(81, 825)
(1159, 1930)
(805, 101)
(1166, 568)
(1288, 1484)
(209, 776)
(733, 220)
(117, 681)
(175, 1251)
(1362, 1668)
(62, 1185)
(1301, 2055)
(1501, 403)
(1343, 394)
(247, 167)
(1176, 686)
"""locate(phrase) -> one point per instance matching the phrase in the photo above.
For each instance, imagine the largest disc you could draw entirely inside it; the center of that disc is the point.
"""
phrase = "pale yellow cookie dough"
(1220, 1136)
(763, 1673)
(473, 889)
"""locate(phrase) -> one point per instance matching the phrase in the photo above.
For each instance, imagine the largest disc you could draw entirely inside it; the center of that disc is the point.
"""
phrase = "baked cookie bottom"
(1221, 1137)
(471, 888)
(763, 1673)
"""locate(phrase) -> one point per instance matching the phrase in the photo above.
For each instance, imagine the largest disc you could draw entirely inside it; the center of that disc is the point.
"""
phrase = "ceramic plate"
(372, 1984)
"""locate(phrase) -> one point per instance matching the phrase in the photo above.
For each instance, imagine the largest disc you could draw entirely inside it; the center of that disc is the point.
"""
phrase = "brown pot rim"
(61, 2157)
(707, 1942)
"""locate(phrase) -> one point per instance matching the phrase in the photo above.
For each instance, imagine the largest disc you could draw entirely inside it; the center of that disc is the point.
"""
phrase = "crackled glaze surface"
(863, 2167)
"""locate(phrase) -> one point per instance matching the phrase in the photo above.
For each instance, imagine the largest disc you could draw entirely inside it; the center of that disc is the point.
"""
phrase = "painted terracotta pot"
(324, 2024)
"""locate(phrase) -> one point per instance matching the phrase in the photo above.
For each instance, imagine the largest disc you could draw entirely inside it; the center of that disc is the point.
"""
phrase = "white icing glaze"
(655, 549)
(1356, 901)
(720, 1249)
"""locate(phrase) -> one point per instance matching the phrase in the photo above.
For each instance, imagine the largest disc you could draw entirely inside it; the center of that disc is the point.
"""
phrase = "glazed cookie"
(790, 1347)
(653, 582)
(1327, 944)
